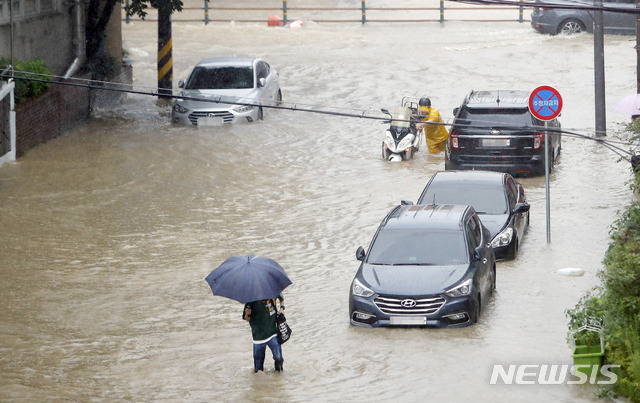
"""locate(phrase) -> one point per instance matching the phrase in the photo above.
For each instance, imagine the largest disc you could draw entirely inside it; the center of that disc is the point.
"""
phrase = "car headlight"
(503, 238)
(244, 108)
(357, 288)
(179, 108)
(461, 289)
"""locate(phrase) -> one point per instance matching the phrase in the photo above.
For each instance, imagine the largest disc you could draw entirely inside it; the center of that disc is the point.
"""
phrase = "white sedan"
(226, 90)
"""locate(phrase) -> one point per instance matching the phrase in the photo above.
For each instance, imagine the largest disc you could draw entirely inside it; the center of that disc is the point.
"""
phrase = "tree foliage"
(139, 7)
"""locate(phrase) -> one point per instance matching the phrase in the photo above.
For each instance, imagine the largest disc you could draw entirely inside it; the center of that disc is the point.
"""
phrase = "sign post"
(545, 103)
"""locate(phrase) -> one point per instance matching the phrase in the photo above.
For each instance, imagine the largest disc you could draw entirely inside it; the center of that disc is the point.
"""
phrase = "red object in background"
(274, 21)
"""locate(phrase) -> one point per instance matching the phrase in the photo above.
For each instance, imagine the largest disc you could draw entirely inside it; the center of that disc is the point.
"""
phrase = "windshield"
(484, 198)
(495, 117)
(220, 78)
(418, 247)
(401, 117)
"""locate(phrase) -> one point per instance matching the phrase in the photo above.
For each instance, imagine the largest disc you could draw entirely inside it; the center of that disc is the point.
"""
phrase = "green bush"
(24, 89)
(617, 300)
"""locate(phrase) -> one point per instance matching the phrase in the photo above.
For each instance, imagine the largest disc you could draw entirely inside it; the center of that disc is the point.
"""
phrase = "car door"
(268, 92)
(620, 23)
(517, 219)
(476, 241)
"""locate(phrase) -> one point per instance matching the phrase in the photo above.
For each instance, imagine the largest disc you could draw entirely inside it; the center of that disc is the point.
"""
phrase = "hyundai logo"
(211, 115)
(408, 303)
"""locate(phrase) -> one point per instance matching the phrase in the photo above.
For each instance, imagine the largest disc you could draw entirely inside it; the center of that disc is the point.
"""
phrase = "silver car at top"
(227, 90)
(547, 19)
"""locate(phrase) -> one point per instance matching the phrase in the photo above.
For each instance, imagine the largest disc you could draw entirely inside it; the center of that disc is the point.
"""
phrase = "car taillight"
(453, 137)
(538, 138)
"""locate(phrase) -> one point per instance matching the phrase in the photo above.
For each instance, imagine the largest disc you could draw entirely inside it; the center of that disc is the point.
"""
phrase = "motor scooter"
(402, 140)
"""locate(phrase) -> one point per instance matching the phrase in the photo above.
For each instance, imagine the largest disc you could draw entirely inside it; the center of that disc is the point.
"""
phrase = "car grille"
(423, 306)
(227, 117)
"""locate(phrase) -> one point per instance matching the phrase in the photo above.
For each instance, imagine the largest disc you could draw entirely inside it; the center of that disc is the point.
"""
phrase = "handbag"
(284, 331)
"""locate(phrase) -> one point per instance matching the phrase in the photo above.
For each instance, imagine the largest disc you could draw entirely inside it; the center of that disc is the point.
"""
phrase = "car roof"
(445, 216)
(227, 61)
(498, 98)
(469, 176)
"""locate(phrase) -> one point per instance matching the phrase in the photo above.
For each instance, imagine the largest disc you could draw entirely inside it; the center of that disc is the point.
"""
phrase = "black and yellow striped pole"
(165, 57)
(285, 17)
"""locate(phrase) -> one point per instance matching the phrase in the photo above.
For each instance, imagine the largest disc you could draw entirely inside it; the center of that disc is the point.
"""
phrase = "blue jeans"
(259, 353)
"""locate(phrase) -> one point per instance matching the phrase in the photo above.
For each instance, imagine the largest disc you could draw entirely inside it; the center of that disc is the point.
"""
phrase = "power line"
(117, 87)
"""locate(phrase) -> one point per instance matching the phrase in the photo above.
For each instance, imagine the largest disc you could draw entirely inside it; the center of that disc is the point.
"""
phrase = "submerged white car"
(226, 90)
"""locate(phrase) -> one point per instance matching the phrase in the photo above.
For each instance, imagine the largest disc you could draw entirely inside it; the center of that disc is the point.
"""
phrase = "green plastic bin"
(588, 355)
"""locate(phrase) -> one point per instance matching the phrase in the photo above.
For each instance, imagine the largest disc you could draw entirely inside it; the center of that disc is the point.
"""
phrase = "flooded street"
(108, 232)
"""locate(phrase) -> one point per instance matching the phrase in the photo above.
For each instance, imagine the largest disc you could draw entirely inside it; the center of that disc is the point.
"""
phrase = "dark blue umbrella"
(248, 278)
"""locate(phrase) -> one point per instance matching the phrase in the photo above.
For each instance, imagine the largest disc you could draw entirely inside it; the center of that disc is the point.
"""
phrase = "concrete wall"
(48, 37)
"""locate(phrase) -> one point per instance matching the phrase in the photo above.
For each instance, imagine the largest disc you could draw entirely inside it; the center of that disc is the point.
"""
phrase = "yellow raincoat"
(436, 134)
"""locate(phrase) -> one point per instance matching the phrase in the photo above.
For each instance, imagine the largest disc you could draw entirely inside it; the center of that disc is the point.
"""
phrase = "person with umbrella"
(256, 282)
(261, 315)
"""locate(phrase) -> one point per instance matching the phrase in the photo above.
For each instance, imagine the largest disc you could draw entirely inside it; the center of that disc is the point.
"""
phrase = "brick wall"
(62, 108)
(47, 116)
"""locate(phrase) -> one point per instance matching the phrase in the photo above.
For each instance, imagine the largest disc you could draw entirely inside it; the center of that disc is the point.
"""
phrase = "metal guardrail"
(284, 17)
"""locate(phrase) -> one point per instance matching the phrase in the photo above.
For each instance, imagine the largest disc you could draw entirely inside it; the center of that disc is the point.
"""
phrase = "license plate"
(210, 121)
(408, 320)
(495, 142)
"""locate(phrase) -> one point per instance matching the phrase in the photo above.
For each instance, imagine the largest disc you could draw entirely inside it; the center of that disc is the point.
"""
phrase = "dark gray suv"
(427, 265)
(494, 131)
(574, 20)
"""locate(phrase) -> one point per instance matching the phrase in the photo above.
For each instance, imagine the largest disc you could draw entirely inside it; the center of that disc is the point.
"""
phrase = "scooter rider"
(436, 134)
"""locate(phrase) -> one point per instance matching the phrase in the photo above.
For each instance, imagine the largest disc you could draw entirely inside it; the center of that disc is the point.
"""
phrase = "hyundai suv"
(495, 131)
(427, 265)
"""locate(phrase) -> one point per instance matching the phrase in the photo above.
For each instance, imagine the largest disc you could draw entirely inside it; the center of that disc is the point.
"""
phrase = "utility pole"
(165, 57)
(598, 62)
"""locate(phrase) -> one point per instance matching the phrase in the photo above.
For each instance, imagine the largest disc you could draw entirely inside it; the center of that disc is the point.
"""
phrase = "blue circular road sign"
(545, 103)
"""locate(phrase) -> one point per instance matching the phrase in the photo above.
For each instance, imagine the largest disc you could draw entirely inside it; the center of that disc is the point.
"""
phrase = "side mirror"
(406, 202)
(181, 84)
(360, 253)
(455, 111)
(521, 208)
(262, 82)
(385, 111)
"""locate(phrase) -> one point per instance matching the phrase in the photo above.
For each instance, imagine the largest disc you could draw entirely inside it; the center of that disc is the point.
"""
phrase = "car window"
(472, 236)
(495, 117)
(262, 70)
(484, 198)
(512, 193)
(418, 247)
(220, 78)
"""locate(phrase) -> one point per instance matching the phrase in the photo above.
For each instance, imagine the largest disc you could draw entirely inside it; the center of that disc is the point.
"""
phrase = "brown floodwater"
(108, 232)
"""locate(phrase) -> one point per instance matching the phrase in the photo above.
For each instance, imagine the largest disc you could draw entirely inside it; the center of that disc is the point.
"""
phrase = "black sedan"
(498, 199)
(426, 266)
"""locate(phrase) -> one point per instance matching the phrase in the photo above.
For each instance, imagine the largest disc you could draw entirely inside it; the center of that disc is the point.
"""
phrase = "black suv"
(494, 130)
